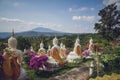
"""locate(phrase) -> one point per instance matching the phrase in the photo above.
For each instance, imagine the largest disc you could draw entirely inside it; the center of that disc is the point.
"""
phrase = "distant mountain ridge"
(39, 31)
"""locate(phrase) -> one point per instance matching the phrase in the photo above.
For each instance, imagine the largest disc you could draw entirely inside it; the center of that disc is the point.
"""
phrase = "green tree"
(23, 43)
(109, 23)
(3, 46)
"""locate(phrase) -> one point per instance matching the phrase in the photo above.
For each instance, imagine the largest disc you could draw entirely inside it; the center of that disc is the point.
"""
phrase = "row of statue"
(56, 55)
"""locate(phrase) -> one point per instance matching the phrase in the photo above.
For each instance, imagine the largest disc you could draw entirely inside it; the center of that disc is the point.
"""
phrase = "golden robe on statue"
(49, 52)
(77, 49)
(55, 54)
(62, 53)
(11, 68)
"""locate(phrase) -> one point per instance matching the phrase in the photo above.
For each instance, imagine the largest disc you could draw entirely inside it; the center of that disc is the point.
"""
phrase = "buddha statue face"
(12, 42)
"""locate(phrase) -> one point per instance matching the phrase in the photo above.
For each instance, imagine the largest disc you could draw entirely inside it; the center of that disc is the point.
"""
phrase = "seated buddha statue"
(12, 64)
(41, 51)
(50, 58)
(31, 49)
(76, 53)
(55, 52)
(65, 50)
(77, 48)
(52, 63)
(91, 44)
(62, 51)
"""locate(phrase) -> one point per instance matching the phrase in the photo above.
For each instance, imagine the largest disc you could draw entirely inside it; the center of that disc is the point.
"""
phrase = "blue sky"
(75, 16)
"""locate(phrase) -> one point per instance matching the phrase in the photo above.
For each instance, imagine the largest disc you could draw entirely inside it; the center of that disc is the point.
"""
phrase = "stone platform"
(78, 73)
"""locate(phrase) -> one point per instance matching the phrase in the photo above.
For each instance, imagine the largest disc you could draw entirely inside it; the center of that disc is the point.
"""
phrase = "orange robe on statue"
(62, 53)
(78, 51)
(56, 56)
(48, 52)
(11, 68)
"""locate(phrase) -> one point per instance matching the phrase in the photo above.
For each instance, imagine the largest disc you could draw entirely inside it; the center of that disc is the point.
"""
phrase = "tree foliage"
(109, 24)
(23, 43)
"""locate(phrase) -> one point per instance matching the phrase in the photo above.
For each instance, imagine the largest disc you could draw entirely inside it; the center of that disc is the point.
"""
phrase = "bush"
(111, 60)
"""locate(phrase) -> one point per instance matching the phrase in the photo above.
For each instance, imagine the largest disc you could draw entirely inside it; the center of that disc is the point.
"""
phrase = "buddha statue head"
(41, 45)
(77, 41)
(12, 42)
(64, 46)
(31, 48)
(25, 50)
(55, 41)
(49, 47)
(61, 45)
(91, 41)
(41, 50)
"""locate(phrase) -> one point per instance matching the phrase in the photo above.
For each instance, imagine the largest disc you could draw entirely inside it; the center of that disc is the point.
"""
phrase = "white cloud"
(84, 18)
(78, 28)
(81, 9)
(7, 24)
(25, 25)
(107, 2)
(11, 20)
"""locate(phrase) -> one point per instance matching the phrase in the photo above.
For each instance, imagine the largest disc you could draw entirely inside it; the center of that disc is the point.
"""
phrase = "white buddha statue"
(76, 53)
(77, 47)
(13, 57)
(55, 52)
(41, 50)
(91, 45)
(64, 47)
(31, 49)
(25, 50)
(65, 50)
(61, 45)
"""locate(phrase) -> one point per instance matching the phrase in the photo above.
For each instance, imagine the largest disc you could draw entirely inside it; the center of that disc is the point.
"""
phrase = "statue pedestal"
(52, 64)
(72, 56)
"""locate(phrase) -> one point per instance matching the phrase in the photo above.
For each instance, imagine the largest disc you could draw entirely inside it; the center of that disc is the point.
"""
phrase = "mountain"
(41, 29)
(4, 34)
